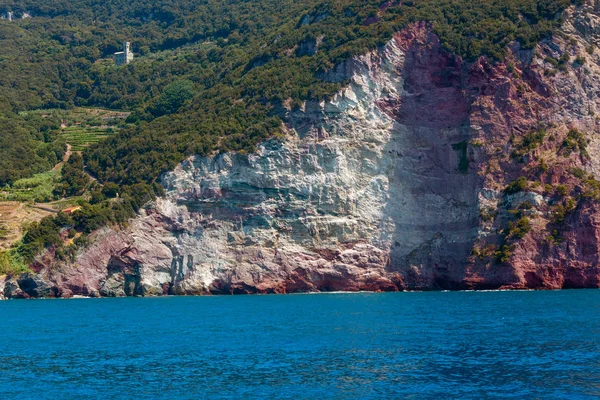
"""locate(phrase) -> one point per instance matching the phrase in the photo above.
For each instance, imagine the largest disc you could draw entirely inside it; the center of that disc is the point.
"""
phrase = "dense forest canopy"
(207, 75)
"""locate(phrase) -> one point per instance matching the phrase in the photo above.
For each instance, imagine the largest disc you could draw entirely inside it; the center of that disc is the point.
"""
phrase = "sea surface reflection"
(409, 345)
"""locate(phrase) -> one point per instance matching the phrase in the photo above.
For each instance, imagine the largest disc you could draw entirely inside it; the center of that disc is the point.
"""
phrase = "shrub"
(516, 186)
(503, 254)
(528, 142)
(519, 229)
(574, 142)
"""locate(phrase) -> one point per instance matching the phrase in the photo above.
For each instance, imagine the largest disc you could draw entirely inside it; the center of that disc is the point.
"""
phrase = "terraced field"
(81, 137)
(36, 189)
(82, 127)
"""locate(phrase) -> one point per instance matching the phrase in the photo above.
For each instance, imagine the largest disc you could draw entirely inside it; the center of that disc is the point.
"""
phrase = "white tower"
(125, 56)
(128, 53)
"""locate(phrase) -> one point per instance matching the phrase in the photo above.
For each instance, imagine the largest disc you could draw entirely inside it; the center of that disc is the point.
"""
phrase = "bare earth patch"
(13, 215)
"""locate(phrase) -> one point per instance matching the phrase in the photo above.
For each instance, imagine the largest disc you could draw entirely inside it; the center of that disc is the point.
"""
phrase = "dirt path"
(66, 157)
(43, 208)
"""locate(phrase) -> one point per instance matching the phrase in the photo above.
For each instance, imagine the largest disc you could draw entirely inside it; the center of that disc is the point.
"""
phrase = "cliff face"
(398, 182)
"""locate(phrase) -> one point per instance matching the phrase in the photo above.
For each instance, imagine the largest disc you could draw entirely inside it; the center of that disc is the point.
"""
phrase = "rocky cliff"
(425, 172)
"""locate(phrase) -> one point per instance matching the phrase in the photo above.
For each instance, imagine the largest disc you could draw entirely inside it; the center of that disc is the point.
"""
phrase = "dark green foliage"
(563, 61)
(554, 238)
(110, 190)
(530, 141)
(41, 234)
(589, 186)
(579, 60)
(552, 61)
(487, 215)
(503, 254)
(574, 142)
(516, 186)
(518, 230)
(578, 173)
(25, 149)
(74, 180)
(236, 56)
(173, 97)
(562, 190)
(563, 210)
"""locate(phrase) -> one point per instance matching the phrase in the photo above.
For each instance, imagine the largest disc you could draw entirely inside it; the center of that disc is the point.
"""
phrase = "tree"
(173, 97)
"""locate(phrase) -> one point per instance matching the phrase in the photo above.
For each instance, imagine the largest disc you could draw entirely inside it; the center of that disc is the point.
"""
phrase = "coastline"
(336, 292)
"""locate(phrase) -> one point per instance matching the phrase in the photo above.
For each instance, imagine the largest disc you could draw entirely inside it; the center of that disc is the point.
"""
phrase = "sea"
(428, 345)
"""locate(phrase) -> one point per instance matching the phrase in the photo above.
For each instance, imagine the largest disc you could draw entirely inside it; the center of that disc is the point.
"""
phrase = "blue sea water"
(326, 346)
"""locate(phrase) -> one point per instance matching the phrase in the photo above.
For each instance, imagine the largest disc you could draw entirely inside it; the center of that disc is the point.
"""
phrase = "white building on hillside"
(125, 56)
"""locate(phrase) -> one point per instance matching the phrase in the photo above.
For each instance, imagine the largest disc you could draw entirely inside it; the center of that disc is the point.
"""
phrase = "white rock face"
(346, 199)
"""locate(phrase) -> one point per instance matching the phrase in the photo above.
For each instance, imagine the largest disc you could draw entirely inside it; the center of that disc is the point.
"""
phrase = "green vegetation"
(574, 142)
(503, 254)
(35, 189)
(529, 142)
(172, 98)
(563, 210)
(487, 214)
(11, 263)
(26, 147)
(79, 139)
(74, 180)
(518, 229)
(516, 186)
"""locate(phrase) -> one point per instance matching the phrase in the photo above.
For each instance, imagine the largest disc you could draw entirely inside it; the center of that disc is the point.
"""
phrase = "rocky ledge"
(425, 172)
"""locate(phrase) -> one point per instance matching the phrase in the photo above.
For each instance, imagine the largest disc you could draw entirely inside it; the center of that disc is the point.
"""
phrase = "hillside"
(211, 78)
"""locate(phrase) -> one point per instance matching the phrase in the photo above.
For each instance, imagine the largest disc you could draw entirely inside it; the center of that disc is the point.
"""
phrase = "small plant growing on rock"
(528, 142)
(519, 229)
(562, 190)
(485, 252)
(516, 186)
(561, 211)
(543, 165)
(476, 142)
(487, 214)
(590, 49)
(563, 61)
(578, 173)
(552, 61)
(554, 238)
(575, 141)
(580, 60)
(591, 188)
(503, 254)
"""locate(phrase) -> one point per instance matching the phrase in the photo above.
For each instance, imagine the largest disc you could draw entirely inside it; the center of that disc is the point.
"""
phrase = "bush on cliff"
(518, 229)
(574, 142)
(516, 186)
(11, 263)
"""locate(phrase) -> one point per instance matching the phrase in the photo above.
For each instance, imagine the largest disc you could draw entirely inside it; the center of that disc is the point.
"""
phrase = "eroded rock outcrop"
(398, 182)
